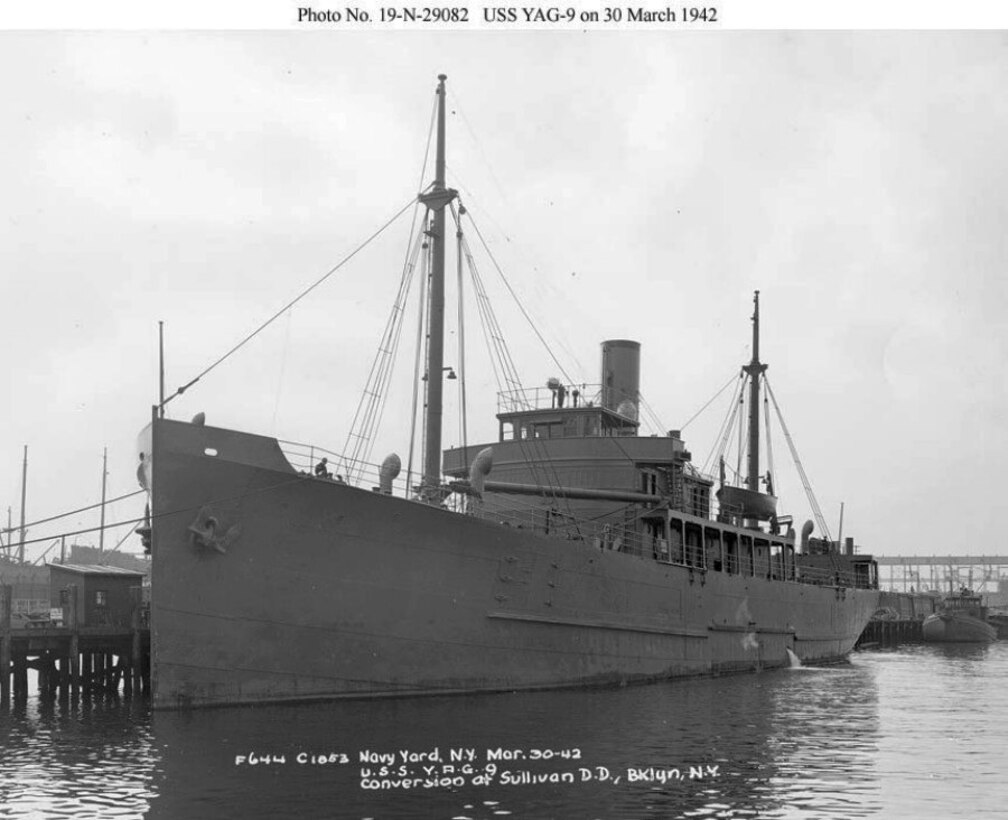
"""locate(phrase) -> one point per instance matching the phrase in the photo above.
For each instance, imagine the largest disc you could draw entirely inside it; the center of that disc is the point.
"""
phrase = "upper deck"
(562, 411)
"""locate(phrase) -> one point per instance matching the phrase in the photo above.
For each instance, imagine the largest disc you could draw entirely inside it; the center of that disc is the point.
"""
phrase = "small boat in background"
(999, 620)
(961, 619)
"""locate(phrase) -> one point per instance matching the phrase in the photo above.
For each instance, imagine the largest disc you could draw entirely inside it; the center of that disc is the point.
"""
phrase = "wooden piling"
(42, 668)
(69, 665)
(98, 682)
(64, 678)
(86, 674)
(75, 671)
(6, 595)
(122, 672)
(70, 619)
(53, 674)
(20, 674)
(111, 687)
(127, 678)
(136, 648)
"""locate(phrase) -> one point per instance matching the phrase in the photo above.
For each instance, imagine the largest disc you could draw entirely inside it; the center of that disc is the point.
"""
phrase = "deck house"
(104, 596)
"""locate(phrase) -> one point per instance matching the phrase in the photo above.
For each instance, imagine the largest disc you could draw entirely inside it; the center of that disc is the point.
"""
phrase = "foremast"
(437, 200)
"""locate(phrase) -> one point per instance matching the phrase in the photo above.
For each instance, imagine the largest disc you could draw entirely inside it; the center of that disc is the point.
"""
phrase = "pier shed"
(103, 593)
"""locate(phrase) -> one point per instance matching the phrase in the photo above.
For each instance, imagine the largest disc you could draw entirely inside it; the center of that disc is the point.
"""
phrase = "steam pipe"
(568, 492)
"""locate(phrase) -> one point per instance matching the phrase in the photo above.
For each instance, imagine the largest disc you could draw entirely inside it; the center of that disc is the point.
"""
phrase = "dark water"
(915, 732)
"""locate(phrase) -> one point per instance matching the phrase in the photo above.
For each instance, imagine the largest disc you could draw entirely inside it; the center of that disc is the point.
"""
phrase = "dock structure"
(941, 572)
(74, 659)
(898, 619)
(880, 632)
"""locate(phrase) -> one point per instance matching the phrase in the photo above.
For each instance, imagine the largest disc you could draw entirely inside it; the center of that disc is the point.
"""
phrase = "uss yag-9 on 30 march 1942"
(571, 551)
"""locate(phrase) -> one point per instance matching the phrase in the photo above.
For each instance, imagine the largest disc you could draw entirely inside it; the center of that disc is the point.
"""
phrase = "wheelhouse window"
(572, 426)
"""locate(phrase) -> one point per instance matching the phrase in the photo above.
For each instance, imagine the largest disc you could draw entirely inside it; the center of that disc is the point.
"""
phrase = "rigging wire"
(503, 364)
(283, 367)
(121, 542)
(499, 352)
(769, 444)
(518, 302)
(653, 420)
(485, 212)
(293, 302)
(743, 480)
(154, 516)
(430, 136)
(461, 341)
(481, 310)
(713, 399)
(479, 146)
(82, 509)
(383, 390)
(510, 389)
(59, 539)
(375, 393)
(720, 446)
(813, 503)
(428, 255)
(88, 529)
(421, 313)
(741, 428)
(47, 551)
(372, 401)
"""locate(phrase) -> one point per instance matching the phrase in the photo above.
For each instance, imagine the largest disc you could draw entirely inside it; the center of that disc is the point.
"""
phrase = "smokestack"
(621, 376)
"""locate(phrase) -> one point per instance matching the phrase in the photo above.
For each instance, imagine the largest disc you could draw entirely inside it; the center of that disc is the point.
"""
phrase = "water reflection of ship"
(590, 557)
(776, 739)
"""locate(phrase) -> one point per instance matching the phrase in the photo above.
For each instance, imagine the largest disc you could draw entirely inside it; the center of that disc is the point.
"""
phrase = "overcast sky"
(632, 185)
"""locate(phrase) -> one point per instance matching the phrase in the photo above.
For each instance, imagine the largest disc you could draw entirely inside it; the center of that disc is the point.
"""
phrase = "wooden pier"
(73, 661)
(891, 632)
(898, 620)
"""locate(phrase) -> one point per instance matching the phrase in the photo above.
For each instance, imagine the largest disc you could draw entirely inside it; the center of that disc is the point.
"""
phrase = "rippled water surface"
(915, 732)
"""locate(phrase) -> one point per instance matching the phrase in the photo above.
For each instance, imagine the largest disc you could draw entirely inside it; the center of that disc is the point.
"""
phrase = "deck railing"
(544, 398)
(613, 535)
(305, 458)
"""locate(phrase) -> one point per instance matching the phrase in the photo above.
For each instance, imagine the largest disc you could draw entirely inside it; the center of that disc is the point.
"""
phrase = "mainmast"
(755, 370)
(436, 200)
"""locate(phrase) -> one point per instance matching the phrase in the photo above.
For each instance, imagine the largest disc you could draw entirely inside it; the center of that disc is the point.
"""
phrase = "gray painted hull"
(956, 628)
(312, 589)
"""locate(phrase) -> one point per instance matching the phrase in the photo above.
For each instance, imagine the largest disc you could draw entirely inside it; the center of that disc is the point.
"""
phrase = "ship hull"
(956, 628)
(270, 585)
